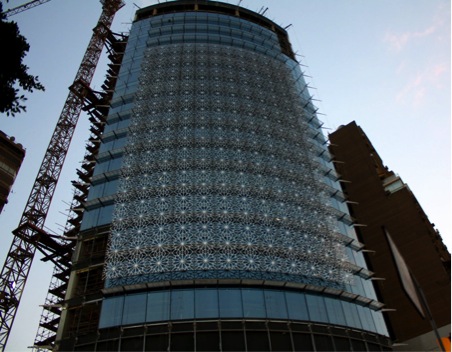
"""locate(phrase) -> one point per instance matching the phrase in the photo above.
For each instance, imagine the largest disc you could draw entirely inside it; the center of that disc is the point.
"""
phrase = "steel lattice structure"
(24, 7)
(30, 235)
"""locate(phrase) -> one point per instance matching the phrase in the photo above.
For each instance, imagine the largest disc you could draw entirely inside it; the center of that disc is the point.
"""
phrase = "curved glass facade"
(213, 166)
(237, 303)
(216, 174)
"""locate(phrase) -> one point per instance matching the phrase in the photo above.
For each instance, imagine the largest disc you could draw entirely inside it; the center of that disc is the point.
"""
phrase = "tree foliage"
(13, 72)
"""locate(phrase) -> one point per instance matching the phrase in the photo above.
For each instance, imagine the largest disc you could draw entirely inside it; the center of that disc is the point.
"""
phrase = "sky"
(385, 64)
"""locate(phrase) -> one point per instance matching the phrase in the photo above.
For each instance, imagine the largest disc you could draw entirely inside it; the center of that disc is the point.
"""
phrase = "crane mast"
(30, 234)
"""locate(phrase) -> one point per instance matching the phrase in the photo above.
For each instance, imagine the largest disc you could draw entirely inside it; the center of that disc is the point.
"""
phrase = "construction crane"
(30, 234)
(24, 7)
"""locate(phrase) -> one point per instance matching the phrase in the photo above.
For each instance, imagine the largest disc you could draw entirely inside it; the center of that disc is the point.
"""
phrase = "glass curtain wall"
(214, 167)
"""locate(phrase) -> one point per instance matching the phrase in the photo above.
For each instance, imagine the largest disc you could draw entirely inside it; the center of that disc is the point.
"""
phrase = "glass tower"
(221, 220)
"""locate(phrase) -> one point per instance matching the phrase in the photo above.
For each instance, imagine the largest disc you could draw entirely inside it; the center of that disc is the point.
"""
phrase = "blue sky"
(383, 63)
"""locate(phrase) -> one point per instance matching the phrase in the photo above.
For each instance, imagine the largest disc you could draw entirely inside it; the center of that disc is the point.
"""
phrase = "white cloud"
(398, 41)
(432, 78)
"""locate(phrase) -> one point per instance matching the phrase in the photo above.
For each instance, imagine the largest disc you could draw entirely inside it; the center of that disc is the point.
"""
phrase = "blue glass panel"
(108, 145)
(96, 191)
(379, 323)
(368, 288)
(366, 318)
(230, 303)
(158, 306)
(351, 315)
(90, 218)
(358, 287)
(296, 306)
(182, 304)
(110, 188)
(206, 303)
(317, 308)
(114, 164)
(105, 215)
(111, 314)
(335, 311)
(134, 309)
(101, 167)
(275, 302)
(120, 142)
(253, 303)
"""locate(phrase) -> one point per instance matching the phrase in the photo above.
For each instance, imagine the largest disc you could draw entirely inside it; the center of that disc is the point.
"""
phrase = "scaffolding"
(97, 106)
(30, 235)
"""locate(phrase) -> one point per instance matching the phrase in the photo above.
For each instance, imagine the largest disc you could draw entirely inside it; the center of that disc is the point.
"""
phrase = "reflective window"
(296, 306)
(111, 314)
(351, 314)
(230, 303)
(108, 164)
(115, 164)
(182, 304)
(101, 166)
(110, 188)
(158, 306)
(90, 219)
(105, 215)
(366, 318)
(134, 309)
(253, 303)
(206, 303)
(107, 145)
(103, 189)
(275, 303)
(96, 191)
(317, 308)
(379, 322)
(335, 311)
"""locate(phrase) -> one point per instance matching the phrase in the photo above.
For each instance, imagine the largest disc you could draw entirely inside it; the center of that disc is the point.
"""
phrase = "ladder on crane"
(30, 234)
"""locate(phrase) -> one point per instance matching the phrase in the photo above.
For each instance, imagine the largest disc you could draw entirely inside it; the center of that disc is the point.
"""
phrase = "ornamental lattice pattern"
(218, 175)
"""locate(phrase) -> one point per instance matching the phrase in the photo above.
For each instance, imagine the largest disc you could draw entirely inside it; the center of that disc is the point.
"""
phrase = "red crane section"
(30, 235)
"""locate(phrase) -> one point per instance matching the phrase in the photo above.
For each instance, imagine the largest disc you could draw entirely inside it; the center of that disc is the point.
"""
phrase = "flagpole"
(411, 287)
(429, 313)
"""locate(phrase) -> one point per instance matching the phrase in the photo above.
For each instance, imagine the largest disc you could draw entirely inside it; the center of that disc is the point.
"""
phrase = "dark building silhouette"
(214, 218)
(11, 156)
(385, 203)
